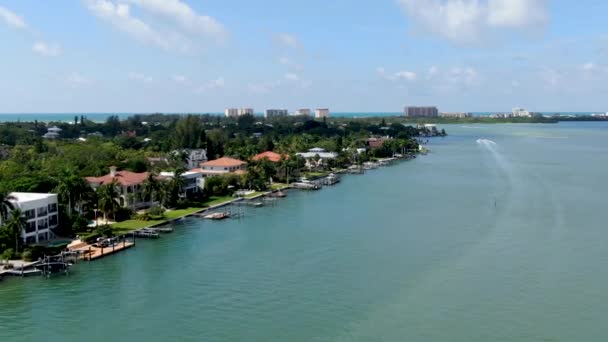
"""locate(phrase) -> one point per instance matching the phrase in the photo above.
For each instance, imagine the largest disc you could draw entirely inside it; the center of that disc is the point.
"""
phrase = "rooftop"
(223, 162)
(31, 196)
(125, 178)
(271, 156)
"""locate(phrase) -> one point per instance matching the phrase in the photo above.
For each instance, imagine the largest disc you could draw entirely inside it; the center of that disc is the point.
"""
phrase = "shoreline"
(129, 233)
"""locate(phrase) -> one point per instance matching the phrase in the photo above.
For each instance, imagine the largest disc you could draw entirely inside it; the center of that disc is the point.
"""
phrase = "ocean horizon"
(100, 117)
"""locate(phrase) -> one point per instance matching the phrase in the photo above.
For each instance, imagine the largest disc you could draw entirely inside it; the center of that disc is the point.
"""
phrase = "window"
(53, 208)
(225, 168)
(30, 214)
(42, 211)
(43, 237)
(43, 224)
(53, 220)
(30, 227)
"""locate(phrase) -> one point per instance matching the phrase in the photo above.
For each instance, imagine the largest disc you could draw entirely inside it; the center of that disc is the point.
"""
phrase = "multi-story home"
(221, 166)
(194, 157)
(193, 181)
(41, 214)
(128, 186)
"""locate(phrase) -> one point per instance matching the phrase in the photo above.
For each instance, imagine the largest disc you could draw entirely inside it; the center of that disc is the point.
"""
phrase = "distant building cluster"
(275, 113)
(421, 112)
(516, 113)
(455, 115)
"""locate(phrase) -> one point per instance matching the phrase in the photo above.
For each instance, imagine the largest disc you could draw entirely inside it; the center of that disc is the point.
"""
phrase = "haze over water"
(498, 234)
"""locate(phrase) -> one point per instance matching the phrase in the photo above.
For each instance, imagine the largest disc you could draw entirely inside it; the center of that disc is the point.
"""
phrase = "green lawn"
(253, 194)
(130, 225)
(278, 186)
(315, 174)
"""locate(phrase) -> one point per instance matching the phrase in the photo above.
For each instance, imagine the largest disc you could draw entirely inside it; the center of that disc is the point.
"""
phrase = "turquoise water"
(498, 240)
(101, 117)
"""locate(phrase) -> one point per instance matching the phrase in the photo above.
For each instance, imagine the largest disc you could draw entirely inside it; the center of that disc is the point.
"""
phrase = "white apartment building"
(41, 212)
(245, 111)
(231, 112)
(274, 113)
(321, 113)
(306, 112)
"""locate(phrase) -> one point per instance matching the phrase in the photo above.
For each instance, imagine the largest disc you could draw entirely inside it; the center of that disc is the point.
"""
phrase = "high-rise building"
(231, 112)
(273, 113)
(303, 112)
(423, 112)
(321, 113)
(245, 111)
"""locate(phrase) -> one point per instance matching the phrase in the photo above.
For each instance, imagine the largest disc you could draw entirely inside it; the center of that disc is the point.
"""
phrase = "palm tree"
(71, 189)
(15, 225)
(5, 205)
(150, 187)
(107, 199)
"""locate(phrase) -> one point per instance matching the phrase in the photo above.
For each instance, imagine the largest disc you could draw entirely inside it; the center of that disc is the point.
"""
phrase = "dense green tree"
(107, 200)
(189, 133)
(5, 206)
(14, 225)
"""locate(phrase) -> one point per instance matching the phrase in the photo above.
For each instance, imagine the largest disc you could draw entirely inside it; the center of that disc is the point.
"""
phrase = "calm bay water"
(499, 234)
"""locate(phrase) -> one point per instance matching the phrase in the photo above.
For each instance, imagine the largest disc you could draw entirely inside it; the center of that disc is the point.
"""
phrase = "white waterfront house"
(41, 213)
(193, 181)
(317, 157)
(222, 166)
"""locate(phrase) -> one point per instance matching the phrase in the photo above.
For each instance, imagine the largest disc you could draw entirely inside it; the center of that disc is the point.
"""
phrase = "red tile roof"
(223, 162)
(271, 156)
(125, 178)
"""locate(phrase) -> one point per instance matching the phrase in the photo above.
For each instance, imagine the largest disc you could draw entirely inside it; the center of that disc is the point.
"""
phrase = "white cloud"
(120, 17)
(136, 76)
(11, 19)
(292, 77)
(210, 85)
(288, 40)
(77, 80)
(179, 78)
(589, 66)
(470, 21)
(183, 16)
(399, 75)
(284, 61)
(467, 76)
(46, 50)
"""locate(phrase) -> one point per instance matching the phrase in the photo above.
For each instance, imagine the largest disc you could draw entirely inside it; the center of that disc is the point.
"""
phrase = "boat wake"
(486, 142)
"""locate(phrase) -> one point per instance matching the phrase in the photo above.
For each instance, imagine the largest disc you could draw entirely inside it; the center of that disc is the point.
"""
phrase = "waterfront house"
(41, 214)
(222, 166)
(270, 156)
(317, 157)
(128, 186)
(193, 181)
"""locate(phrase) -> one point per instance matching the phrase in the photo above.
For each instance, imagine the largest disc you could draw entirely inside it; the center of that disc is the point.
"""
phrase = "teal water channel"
(498, 234)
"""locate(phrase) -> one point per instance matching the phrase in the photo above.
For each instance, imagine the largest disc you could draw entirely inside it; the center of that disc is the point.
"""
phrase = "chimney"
(113, 171)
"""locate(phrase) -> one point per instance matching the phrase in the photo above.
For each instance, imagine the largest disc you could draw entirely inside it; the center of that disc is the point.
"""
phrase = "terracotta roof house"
(375, 142)
(127, 183)
(223, 165)
(271, 156)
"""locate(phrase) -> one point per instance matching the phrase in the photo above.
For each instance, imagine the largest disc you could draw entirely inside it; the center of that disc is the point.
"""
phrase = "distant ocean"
(100, 117)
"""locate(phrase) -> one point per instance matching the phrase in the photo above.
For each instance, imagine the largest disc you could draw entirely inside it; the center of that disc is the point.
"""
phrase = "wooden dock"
(90, 252)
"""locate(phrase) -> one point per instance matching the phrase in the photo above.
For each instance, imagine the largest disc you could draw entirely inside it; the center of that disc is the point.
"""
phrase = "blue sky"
(205, 55)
